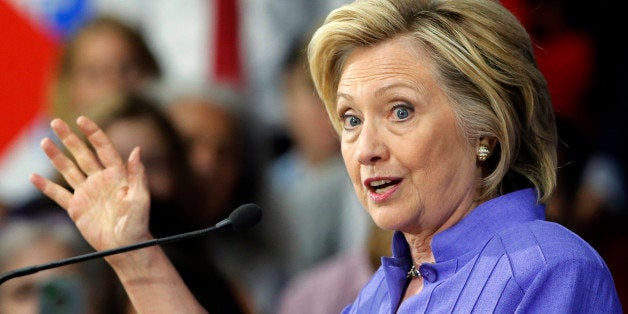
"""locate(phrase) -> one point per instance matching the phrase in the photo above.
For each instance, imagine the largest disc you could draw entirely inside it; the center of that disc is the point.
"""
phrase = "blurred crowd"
(211, 144)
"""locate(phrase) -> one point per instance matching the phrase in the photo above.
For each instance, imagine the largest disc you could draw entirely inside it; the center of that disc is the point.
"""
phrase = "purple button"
(428, 272)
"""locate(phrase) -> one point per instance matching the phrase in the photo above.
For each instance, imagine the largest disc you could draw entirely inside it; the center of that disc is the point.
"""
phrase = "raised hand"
(109, 199)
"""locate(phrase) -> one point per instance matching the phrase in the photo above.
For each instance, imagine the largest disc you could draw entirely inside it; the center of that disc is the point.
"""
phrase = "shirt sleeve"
(571, 286)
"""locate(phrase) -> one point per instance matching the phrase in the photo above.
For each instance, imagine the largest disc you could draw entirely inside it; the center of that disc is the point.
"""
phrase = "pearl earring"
(483, 152)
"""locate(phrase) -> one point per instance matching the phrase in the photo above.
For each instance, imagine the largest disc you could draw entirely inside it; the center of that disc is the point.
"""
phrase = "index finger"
(105, 150)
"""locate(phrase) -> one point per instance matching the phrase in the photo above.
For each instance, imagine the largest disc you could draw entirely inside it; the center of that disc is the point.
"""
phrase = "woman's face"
(103, 66)
(410, 165)
(211, 134)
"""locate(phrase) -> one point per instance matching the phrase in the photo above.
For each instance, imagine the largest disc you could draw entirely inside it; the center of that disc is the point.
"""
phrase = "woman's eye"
(401, 112)
(351, 121)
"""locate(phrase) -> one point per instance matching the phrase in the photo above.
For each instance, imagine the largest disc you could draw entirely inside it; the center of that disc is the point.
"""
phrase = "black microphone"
(243, 217)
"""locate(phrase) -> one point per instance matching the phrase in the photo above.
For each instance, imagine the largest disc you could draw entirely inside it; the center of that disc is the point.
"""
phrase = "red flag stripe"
(26, 58)
(227, 63)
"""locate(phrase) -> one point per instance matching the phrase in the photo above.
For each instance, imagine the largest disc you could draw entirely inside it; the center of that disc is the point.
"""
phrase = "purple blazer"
(503, 257)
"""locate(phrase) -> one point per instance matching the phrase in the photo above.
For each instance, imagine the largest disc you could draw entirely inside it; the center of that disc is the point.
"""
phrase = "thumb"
(136, 175)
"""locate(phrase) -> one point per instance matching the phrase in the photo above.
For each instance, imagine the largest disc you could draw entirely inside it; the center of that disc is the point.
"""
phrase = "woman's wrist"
(138, 264)
(147, 274)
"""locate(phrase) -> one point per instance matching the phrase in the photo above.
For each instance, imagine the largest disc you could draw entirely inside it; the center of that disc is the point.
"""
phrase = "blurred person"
(139, 121)
(103, 60)
(106, 58)
(213, 132)
(75, 288)
(175, 198)
(309, 177)
(448, 134)
(308, 192)
(227, 164)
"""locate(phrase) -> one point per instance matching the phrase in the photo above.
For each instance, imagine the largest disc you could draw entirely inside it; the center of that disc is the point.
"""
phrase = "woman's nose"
(370, 145)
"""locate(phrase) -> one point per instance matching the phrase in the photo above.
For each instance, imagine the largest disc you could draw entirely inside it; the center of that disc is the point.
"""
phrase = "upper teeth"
(379, 182)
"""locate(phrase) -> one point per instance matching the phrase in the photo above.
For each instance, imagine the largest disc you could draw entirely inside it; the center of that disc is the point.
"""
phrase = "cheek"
(353, 169)
(445, 165)
(436, 155)
(351, 162)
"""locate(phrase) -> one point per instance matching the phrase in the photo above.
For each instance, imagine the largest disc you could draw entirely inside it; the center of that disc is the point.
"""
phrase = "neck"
(420, 249)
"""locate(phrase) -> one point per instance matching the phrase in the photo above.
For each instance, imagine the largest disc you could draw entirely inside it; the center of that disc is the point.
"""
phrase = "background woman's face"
(409, 163)
(213, 142)
(103, 66)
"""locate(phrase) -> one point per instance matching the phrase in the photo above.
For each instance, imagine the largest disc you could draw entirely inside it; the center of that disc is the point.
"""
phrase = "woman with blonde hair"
(448, 135)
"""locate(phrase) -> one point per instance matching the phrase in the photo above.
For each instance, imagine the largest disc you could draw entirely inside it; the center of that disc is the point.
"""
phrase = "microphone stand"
(242, 217)
(80, 258)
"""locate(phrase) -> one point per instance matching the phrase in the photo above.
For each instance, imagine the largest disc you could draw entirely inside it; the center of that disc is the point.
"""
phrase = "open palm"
(108, 200)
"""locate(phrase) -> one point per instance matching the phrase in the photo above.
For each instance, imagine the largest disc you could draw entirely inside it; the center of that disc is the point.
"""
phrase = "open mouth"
(381, 186)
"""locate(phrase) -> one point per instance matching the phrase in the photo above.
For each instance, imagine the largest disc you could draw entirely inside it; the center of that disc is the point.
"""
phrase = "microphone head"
(245, 216)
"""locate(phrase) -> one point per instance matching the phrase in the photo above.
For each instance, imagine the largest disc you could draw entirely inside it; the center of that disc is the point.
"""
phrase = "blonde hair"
(486, 65)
